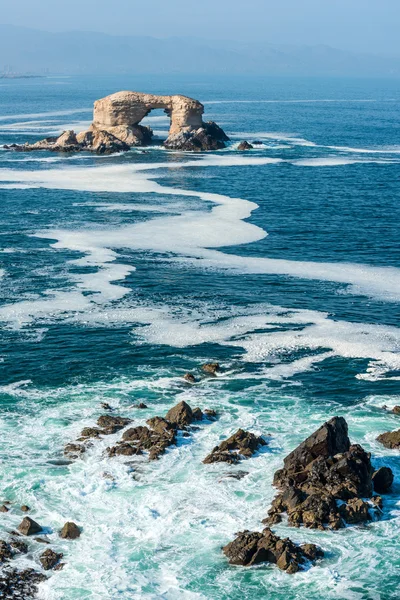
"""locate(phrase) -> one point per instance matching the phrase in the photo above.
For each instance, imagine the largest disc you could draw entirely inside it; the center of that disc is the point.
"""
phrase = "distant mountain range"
(26, 50)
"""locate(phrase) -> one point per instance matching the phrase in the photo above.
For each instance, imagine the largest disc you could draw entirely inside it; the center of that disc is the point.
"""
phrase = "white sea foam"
(196, 233)
(338, 161)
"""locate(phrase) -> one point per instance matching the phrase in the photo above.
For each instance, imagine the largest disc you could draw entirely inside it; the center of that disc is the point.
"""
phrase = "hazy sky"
(363, 25)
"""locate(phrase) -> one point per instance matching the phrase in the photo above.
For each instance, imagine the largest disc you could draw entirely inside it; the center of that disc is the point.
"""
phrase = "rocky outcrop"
(325, 481)
(253, 547)
(244, 146)
(29, 527)
(116, 126)
(158, 435)
(20, 585)
(390, 439)
(241, 444)
(70, 531)
(50, 559)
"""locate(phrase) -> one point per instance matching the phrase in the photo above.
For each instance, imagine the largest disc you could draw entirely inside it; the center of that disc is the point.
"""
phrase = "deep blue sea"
(120, 273)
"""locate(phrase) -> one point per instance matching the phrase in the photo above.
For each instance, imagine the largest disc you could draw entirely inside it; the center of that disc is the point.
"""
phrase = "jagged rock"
(74, 450)
(382, 480)
(50, 559)
(189, 377)
(245, 146)
(207, 137)
(323, 469)
(180, 415)
(29, 527)
(141, 405)
(109, 424)
(6, 552)
(90, 432)
(252, 547)
(19, 546)
(105, 406)
(158, 436)
(355, 511)
(70, 531)
(197, 414)
(211, 368)
(20, 585)
(210, 413)
(240, 444)
(390, 439)
(101, 141)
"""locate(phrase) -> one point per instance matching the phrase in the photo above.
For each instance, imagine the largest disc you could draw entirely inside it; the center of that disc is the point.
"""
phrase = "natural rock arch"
(116, 126)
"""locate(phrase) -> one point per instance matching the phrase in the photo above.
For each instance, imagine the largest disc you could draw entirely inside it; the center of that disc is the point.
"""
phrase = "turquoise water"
(121, 273)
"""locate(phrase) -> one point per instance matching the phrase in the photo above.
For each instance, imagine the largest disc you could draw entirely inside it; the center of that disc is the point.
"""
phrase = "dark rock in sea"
(19, 546)
(257, 142)
(390, 439)
(6, 552)
(235, 475)
(158, 436)
(252, 547)
(197, 414)
(323, 469)
(20, 585)
(245, 146)
(141, 405)
(74, 450)
(208, 137)
(211, 368)
(180, 415)
(189, 377)
(110, 424)
(4, 509)
(70, 531)
(25, 508)
(396, 410)
(382, 480)
(240, 444)
(41, 540)
(210, 413)
(105, 406)
(90, 432)
(50, 559)
(29, 527)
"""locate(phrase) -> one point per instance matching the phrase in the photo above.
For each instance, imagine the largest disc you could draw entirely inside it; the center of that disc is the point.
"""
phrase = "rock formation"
(252, 547)
(325, 480)
(241, 444)
(116, 126)
(390, 439)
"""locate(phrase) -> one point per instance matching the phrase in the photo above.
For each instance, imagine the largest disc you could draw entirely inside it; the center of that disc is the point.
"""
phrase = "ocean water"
(121, 273)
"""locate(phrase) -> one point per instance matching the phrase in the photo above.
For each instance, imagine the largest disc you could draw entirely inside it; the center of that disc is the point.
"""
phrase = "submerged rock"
(390, 439)
(245, 146)
(211, 368)
(109, 424)
(189, 377)
(74, 450)
(252, 547)
(240, 444)
(321, 471)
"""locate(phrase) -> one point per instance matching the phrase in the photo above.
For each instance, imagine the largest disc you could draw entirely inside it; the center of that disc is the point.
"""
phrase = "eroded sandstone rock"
(116, 126)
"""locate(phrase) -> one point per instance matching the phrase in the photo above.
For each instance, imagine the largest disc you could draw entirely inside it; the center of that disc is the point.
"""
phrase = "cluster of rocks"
(253, 547)
(208, 369)
(19, 584)
(241, 444)
(325, 481)
(106, 425)
(116, 127)
(160, 433)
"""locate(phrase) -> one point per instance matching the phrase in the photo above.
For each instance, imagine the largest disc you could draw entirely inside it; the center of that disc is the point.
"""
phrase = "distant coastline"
(18, 76)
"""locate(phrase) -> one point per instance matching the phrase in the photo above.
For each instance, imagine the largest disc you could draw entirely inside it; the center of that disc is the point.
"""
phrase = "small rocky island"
(116, 126)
